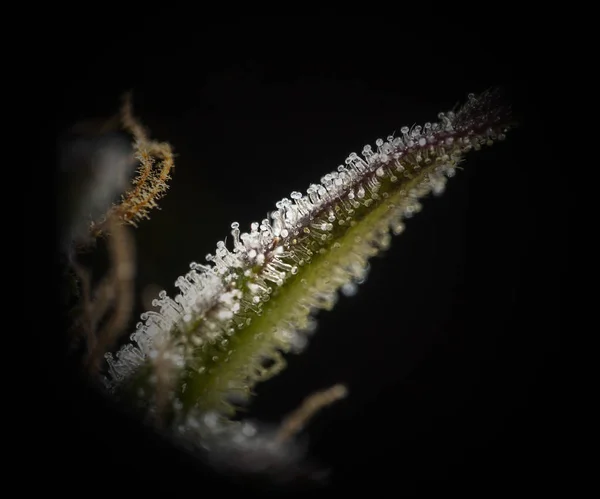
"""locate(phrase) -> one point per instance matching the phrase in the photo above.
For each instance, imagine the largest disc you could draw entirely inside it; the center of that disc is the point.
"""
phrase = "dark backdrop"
(450, 348)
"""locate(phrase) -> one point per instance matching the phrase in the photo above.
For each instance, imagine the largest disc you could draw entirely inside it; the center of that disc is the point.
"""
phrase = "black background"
(451, 347)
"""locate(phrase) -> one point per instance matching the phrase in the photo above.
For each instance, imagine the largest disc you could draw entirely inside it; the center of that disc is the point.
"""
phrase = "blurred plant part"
(97, 164)
(254, 448)
(95, 161)
(114, 294)
(298, 419)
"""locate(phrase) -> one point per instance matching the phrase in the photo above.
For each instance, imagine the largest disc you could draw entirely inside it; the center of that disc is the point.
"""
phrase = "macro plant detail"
(195, 359)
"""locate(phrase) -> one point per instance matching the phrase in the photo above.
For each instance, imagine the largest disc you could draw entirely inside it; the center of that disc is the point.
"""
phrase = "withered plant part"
(314, 403)
(150, 184)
